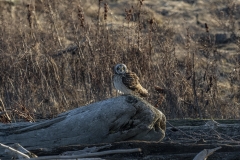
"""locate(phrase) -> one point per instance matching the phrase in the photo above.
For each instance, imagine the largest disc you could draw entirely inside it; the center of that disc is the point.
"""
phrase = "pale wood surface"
(112, 120)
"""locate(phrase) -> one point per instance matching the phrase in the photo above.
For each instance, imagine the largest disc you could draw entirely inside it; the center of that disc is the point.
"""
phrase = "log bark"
(117, 119)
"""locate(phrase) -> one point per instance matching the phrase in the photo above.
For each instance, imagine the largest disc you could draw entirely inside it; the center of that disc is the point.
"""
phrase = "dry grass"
(55, 58)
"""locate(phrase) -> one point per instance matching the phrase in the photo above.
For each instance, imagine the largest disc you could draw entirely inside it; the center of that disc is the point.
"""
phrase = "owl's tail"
(143, 92)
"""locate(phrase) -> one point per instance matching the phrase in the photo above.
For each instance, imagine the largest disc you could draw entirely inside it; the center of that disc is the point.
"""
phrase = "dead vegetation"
(54, 57)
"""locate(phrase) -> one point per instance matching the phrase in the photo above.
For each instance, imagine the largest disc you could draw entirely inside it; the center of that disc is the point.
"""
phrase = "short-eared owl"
(127, 82)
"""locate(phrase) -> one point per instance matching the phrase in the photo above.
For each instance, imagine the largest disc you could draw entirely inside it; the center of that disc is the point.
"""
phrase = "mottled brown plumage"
(127, 82)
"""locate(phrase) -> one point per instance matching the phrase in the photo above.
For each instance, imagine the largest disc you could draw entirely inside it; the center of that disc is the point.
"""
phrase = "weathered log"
(117, 119)
(223, 133)
(155, 150)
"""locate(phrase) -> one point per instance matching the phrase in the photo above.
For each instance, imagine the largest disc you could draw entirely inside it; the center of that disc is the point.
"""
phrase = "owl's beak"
(121, 69)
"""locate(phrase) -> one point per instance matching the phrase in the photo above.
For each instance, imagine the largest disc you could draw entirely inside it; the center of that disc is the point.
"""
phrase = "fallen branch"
(23, 150)
(13, 152)
(90, 154)
(86, 150)
(205, 153)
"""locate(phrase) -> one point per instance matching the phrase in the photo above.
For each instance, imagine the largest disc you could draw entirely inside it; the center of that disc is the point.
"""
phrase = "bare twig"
(182, 131)
(4, 111)
(14, 152)
(54, 23)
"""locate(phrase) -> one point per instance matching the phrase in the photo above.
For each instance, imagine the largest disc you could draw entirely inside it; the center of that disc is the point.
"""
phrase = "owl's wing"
(130, 80)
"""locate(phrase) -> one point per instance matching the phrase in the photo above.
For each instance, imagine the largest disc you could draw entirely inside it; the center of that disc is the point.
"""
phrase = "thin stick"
(181, 131)
(14, 151)
(5, 111)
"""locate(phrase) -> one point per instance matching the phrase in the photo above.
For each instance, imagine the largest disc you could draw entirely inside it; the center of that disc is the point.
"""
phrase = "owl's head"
(120, 69)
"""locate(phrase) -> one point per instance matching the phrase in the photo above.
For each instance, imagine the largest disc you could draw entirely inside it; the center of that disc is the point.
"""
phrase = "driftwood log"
(184, 139)
(117, 119)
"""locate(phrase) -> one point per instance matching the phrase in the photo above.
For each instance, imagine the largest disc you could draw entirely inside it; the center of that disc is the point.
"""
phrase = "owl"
(127, 82)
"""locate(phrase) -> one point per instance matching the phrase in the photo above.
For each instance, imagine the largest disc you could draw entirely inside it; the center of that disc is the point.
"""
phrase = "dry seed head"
(30, 15)
(128, 14)
(81, 16)
(206, 27)
(141, 2)
(105, 11)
